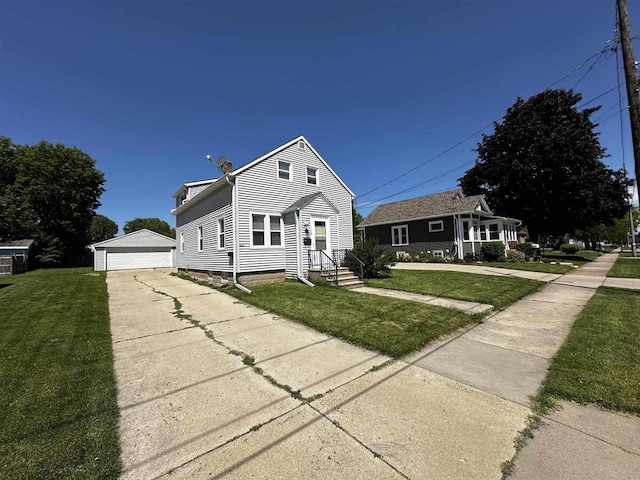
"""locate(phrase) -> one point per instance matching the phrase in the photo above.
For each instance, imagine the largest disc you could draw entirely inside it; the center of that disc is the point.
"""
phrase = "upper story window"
(302, 145)
(312, 176)
(400, 235)
(221, 233)
(436, 226)
(266, 230)
(284, 170)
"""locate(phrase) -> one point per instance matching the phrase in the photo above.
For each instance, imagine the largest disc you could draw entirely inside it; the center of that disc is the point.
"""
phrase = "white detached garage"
(140, 249)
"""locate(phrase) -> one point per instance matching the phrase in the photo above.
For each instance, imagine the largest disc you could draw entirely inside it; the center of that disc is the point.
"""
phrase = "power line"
(454, 146)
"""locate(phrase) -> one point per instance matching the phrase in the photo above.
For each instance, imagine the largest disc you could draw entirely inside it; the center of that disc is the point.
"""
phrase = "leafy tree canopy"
(543, 164)
(154, 224)
(49, 193)
(102, 228)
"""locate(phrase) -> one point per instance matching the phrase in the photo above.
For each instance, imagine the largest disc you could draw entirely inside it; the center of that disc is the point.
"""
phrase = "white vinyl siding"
(399, 235)
(260, 191)
(206, 214)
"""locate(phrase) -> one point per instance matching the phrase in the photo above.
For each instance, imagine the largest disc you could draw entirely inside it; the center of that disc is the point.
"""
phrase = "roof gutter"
(235, 247)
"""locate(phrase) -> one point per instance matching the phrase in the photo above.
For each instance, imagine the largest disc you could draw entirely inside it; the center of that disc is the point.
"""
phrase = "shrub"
(492, 251)
(376, 260)
(527, 249)
(569, 248)
(516, 256)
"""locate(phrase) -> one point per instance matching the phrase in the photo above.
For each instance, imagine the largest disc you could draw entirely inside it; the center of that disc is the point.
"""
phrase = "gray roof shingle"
(436, 204)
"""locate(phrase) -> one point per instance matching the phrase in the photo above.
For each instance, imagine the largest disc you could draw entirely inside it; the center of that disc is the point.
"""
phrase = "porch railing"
(328, 267)
(339, 258)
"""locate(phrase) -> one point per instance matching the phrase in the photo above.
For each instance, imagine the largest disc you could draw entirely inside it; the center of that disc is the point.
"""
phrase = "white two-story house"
(259, 223)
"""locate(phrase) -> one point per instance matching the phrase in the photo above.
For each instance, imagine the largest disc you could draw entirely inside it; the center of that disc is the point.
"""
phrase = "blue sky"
(148, 89)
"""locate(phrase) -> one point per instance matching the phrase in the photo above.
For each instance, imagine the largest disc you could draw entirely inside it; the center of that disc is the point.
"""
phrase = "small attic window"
(478, 207)
(302, 145)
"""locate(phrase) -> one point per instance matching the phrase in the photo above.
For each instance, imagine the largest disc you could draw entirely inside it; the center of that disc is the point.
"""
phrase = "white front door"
(320, 238)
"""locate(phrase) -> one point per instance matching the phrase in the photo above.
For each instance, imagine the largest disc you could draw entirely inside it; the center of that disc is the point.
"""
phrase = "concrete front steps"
(345, 279)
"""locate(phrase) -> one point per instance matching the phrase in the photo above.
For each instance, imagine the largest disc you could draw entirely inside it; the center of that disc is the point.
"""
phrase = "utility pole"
(631, 79)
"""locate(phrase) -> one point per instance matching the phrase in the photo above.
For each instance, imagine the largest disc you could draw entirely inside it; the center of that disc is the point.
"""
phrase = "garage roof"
(139, 238)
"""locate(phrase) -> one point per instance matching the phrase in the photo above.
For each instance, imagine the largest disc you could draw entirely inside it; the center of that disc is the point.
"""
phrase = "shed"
(14, 256)
(139, 249)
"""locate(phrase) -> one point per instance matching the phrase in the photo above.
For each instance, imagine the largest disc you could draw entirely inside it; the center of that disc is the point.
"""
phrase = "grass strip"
(625, 267)
(391, 326)
(599, 362)
(494, 290)
(59, 414)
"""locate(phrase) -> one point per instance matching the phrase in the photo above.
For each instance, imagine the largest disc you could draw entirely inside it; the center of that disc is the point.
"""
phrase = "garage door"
(140, 259)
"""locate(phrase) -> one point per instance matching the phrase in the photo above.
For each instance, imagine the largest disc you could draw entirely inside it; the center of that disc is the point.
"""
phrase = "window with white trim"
(200, 239)
(181, 242)
(275, 230)
(476, 230)
(465, 230)
(266, 230)
(221, 233)
(302, 145)
(399, 235)
(436, 226)
(494, 233)
(312, 176)
(483, 232)
(284, 170)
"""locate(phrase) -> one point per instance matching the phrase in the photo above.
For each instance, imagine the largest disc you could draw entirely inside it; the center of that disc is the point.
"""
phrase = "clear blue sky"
(148, 88)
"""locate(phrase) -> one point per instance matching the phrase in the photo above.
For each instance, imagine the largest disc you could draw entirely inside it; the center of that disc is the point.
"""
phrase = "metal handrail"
(326, 263)
(360, 262)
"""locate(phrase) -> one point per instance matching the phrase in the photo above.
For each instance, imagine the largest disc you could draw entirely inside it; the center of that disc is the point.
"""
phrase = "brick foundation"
(246, 279)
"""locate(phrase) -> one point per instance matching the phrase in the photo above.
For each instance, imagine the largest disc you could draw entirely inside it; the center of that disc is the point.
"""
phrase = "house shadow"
(3, 285)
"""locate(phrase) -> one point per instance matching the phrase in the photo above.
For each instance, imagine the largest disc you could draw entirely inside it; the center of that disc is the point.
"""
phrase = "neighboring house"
(446, 224)
(139, 249)
(265, 221)
(14, 256)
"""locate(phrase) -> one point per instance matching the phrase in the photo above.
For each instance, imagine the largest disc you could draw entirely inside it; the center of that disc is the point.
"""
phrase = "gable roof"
(139, 238)
(287, 145)
(306, 200)
(227, 178)
(184, 186)
(434, 205)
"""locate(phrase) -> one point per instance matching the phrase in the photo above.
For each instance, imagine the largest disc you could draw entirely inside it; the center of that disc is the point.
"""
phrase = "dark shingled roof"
(434, 205)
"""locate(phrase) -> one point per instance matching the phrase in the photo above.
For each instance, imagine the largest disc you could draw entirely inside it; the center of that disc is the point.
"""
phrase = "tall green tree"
(543, 164)
(48, 192)
(154, 224)
(102, 228)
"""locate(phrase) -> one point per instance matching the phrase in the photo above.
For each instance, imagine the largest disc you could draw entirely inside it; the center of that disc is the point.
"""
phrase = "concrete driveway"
(311, 406)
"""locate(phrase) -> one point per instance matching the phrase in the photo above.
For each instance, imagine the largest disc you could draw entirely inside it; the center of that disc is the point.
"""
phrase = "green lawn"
(391, 326)
(600, 359)
(528, 266)
(58, 415)
(625, 267)
(497, 291)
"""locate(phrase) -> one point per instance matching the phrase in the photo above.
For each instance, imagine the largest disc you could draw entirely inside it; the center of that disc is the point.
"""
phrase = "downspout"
(299, 251)
(234, 220)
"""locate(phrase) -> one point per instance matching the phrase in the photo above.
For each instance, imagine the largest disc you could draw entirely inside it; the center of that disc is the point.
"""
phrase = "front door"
(320, 240)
